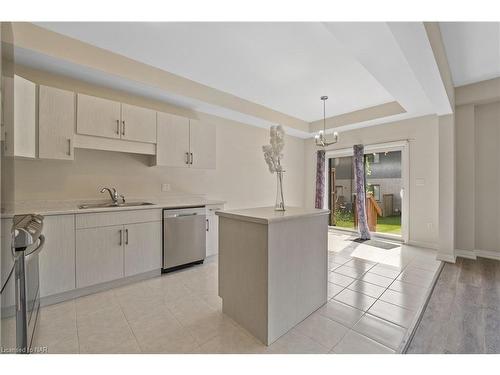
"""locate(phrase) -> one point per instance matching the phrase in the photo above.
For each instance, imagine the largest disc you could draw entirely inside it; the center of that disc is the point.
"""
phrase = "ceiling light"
(320, 138)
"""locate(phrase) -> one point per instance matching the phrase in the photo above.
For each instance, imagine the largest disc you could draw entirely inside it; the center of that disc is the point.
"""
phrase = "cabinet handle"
(123, 127)
(121, 235)
(126, 236)
(69, 146)
(118, 127)
(208, 225)
(187, 157)
(191, 158)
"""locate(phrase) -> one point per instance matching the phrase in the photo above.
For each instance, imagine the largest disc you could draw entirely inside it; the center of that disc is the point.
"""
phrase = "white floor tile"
(355, 299)
(341, 313)
(403, 287)
(380, 330)
(355, 343)
(322, 330)
(416, 276)
(295, 343)
(339, 279)
(371, 290)
(410, 301)
(394, 314)
(334, 289)
(385, 270)
(373, 278)
(355, 273)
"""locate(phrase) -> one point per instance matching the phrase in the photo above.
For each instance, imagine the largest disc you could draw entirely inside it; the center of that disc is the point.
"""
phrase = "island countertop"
(266, 215)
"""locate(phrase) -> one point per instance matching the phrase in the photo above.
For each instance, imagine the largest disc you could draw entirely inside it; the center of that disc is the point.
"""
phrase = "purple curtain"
(320, 179)
(359, 181)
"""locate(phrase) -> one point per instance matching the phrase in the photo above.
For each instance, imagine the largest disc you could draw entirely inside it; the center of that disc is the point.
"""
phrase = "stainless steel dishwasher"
(184, 237)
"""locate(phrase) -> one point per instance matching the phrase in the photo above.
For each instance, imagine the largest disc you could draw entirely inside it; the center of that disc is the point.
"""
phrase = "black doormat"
(375, 243)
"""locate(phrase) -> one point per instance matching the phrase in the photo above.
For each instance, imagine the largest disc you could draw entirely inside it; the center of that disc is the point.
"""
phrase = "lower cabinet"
(212, 230)
(99, 255)
(142, 247)
(57, 258)
(109, 253)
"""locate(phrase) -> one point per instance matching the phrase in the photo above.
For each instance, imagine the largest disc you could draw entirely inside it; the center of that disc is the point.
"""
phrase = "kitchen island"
(272, 267)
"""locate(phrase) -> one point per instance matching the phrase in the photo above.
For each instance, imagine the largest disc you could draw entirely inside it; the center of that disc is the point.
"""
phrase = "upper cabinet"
(202, 144)
(56, 123)
(107, 118)
(98, 116)
(67, 121)
(182, 142)
(172, 147)
(138, 124)
(24, 142)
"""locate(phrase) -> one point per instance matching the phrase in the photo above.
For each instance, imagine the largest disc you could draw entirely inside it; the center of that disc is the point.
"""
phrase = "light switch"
(165, 187)
(420, 182)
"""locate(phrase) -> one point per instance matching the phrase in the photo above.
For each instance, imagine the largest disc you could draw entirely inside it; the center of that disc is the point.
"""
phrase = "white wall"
(241, 178)
(477, 202)
(487, 177)
(422, 134)
(478, 180)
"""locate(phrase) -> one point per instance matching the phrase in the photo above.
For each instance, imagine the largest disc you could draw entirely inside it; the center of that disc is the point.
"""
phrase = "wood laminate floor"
(463, 314)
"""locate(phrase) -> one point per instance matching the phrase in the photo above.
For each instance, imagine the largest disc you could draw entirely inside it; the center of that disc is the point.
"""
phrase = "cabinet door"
(173, 140)
(212, 230)
(97, 116)
(99, 255)
(56, 123)
(142, 247)
(24, 118)
(138, 124)
(57, 258)
(202, 144)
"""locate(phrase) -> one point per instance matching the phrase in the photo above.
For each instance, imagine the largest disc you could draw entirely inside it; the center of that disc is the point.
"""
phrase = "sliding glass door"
(385, 186)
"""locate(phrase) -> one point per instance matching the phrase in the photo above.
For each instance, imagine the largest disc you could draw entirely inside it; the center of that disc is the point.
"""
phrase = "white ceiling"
(473, 50)
(283, 66)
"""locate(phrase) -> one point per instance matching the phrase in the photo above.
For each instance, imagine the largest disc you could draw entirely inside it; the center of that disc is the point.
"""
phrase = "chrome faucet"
(113, 194)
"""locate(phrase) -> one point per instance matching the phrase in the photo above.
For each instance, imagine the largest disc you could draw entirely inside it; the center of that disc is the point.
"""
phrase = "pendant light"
(320, 138)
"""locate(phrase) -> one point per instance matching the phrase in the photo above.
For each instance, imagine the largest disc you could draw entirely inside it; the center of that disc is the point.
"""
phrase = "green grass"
(389, 224)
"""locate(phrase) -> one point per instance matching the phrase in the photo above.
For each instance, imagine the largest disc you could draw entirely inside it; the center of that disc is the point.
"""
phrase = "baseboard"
(469, 254)
(474, 254)
(76, 293)
(426, 245)
(445, 257)
(487, 254)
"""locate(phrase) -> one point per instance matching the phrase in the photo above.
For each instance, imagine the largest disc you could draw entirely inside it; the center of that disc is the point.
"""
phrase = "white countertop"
(266, 215)
(48, 208)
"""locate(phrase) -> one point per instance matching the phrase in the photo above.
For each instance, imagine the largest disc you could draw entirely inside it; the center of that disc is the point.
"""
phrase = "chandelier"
(320, 138)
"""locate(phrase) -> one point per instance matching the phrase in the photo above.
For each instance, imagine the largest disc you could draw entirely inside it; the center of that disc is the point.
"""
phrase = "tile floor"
(373, 298)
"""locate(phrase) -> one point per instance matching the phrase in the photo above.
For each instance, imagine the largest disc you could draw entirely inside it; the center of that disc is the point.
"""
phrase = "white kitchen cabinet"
(212, 235)
(97, 116)
(202, 144)
(142, 247)
(172, 147)
(99, 255)
(138, 124)
(57, 258)
(24, 143)
(182, 142)
(56, 123)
